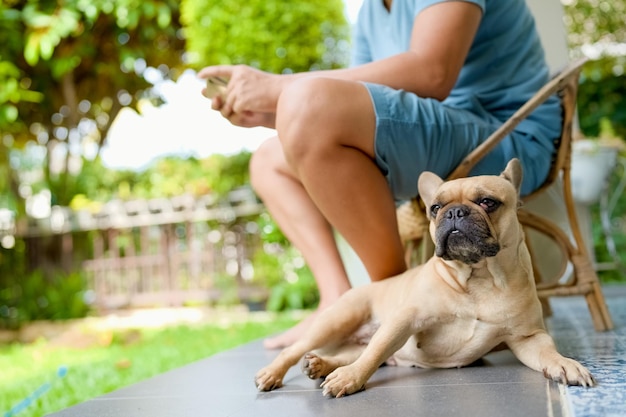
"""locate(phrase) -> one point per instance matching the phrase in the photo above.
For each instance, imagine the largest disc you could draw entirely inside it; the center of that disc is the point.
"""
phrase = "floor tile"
(604, 353)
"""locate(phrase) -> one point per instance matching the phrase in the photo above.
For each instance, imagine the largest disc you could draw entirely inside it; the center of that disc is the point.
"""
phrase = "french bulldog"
(476, 293)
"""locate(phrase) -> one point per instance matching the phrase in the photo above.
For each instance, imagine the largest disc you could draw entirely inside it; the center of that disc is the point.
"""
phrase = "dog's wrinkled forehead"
(435, 191)
(475, 188)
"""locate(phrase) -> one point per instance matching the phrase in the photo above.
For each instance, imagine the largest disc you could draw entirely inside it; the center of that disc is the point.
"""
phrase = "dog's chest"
(456, 342)
(364, 334)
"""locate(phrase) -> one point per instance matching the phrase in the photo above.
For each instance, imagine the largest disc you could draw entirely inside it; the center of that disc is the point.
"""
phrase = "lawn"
(41, 378)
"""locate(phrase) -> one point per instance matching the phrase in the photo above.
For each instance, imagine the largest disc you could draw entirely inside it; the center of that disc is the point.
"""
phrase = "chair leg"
(586, 277)
(584, 281)
(599, 312)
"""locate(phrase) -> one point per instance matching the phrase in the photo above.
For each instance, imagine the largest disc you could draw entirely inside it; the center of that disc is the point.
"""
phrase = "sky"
(185, 125)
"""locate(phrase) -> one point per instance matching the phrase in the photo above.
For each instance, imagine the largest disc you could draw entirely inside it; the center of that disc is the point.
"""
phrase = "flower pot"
(592, 163)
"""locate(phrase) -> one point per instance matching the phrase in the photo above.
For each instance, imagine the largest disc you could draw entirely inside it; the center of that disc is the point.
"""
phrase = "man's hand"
(245, 118)
(250, 97)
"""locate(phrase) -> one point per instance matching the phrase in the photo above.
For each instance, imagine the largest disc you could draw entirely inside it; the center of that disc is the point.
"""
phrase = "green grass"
(128, 357)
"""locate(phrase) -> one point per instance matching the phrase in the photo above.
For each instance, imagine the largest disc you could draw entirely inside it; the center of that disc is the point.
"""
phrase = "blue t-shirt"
(505, 65)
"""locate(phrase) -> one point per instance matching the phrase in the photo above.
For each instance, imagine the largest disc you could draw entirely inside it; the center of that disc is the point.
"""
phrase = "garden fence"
(159, 252)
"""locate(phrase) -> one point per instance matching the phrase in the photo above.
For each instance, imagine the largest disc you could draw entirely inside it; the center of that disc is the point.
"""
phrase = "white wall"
(549, 19)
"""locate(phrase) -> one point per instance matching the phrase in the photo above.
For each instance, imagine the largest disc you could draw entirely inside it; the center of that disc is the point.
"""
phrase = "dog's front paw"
(342, 381)
(268, 379)
(568, 371)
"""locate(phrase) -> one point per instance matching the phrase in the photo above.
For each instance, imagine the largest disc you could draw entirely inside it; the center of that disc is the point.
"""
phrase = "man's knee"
(302, 99)
(302, 118)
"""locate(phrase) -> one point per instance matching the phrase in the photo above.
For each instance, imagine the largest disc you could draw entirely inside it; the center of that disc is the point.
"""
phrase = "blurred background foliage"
(71, 67)
(279, 37)
(68, 68)
(167, 177)
(596, 29)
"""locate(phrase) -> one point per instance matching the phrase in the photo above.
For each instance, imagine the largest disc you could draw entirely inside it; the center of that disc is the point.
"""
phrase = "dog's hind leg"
(330, 328)
(318, 364)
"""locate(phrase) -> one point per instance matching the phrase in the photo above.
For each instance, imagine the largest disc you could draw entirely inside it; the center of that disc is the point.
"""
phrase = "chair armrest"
(557, 83)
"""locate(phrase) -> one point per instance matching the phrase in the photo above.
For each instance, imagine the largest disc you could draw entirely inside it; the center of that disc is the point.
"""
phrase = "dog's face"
(472, 218)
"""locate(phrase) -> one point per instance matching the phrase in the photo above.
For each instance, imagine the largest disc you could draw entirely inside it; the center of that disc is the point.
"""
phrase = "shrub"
(275, 36)
(35, 297)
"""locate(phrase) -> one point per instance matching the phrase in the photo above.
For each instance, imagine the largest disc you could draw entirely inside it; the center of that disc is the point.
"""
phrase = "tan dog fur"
(477, 293)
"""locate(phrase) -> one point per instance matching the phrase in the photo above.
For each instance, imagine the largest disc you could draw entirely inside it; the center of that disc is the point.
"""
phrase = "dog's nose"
(457, 212)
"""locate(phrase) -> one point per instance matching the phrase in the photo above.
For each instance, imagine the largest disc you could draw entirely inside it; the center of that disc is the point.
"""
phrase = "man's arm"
(440, 41)
(441, 38)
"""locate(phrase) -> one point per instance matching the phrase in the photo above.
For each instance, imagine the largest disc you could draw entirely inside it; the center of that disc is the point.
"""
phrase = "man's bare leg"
(327, 129)
(304, 226)
(330, 144)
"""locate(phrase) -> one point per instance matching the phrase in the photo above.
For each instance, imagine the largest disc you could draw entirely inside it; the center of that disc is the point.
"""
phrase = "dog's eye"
(489, 204)
(434, 209)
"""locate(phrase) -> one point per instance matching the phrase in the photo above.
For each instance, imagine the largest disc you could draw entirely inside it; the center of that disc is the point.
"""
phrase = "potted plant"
(593, 160)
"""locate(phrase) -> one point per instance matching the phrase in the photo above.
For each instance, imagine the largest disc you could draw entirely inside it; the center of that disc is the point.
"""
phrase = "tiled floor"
(222, 385)
(603, 353)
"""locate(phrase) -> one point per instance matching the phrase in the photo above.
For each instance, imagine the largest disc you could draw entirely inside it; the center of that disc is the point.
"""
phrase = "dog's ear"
(513, 173)
(427, 186)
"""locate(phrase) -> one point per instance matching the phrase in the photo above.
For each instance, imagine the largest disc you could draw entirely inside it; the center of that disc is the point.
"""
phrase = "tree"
(67, 68)
(592, 22)
(70, 67)
(275, 36)
(596, 29)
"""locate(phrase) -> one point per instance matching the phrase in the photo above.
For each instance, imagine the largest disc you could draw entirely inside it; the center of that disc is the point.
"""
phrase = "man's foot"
(290, 336)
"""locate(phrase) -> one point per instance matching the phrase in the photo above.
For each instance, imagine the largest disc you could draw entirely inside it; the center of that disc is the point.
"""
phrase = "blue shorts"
(415, 134)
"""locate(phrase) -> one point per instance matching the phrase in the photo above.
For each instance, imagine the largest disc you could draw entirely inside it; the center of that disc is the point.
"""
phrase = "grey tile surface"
(603, 353)
(223, 384)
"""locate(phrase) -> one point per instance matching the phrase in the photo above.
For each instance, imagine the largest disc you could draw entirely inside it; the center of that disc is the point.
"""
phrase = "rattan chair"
(583, 280)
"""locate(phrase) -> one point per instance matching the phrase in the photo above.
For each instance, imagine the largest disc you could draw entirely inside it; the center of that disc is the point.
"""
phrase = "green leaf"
(63, 65)
(8, 69)
(31, 50)
(67, 22)
(46, 45)
(38, 20)
(31, 96)
(8, 113)
(164, 17)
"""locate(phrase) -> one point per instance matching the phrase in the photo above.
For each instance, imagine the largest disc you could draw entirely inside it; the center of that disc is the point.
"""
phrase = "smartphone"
(215, 86)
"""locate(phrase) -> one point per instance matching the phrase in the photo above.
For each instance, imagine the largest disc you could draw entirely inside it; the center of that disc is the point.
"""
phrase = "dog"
(476, 293)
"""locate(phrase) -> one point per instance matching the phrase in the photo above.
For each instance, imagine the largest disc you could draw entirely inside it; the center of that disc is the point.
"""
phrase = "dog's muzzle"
(463, 235)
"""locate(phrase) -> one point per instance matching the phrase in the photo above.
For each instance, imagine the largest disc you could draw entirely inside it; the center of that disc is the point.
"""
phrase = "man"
(431, 80)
